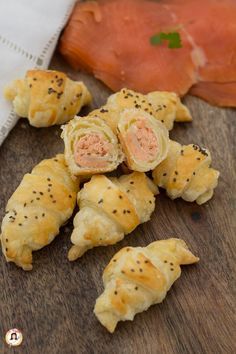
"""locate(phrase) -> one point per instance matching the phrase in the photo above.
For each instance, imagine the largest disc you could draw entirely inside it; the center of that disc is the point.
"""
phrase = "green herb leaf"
(173, 38)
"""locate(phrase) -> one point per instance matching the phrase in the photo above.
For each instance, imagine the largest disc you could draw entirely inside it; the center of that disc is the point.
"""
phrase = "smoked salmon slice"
(111, 39)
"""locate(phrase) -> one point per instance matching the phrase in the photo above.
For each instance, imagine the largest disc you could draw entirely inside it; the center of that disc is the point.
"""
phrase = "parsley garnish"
(173, 38)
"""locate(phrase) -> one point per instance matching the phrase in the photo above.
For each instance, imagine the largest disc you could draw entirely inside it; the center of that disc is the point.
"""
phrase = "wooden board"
(53, 304)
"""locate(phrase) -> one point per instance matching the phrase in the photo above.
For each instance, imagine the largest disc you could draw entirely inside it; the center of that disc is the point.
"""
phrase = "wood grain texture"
(53, 304)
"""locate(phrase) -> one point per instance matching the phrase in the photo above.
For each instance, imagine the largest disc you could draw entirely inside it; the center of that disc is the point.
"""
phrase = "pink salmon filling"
(141, 141)
(92, 151)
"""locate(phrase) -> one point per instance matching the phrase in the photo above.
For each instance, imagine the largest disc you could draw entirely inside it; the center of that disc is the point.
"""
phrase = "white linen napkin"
(29, 30)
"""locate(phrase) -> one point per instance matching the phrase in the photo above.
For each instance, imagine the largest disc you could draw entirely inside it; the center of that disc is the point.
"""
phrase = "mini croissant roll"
(110, 208)
(186, 173)
(44, 200)
(139, 277)
(47, 97)
(145, 140)
(163, 106)
(90, 146)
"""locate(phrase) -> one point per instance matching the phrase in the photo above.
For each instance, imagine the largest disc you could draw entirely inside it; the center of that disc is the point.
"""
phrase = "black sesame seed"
(36, 217)
(146, 261)
(172, 269)
(150, 202)
(49, 190)
(41, 193)
(70, 196)
(6, 249)
(30, 85)
(171, 263)
(187, 179)
(115, 292)
(124, 211)
(64, 108)
(114, 260)
(120, 196)
(25, 205)
(174, 179)
(114, 211)
(194, 173)
(6, 239)
(198, 158)
(43, 215)
(51, 196)
(20, 224)
(31, 201)
(25, 216)
(48, 179)
(50, 185)
(127, 191)
(127, 249)
(140, 269)
(132, 270)
(164, 174)
(136, 288)
(128, 211)
(165, 261)
(162, 121)
(38, 198)
(123, 272)
(182, 152)
(176, 172)
(131, 182)
(34, 192)
(100, 201)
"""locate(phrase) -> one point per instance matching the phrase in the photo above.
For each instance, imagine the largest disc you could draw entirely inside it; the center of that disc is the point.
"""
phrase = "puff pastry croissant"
(109, 209)
(44, 201)
(164, 106)
(145, 140)
(47, 97)
(186, 173)
(139, 277)
(90, 146)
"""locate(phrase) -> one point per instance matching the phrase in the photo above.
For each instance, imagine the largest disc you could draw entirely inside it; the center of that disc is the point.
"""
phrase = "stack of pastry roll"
(138, 277)
(44, 200)
(47, 97)
(163, 106)
(90, 146)
(186, 173)
(110, 208)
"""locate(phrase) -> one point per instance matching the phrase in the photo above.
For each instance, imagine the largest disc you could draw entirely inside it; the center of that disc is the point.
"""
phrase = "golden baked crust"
(186, 173)
(110, 209)
(164, 106)
(43, 201)
(137, 278)
(47, 97)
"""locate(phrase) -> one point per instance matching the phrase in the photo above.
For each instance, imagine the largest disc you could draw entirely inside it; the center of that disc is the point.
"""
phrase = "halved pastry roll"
(90, 146)
(47, 97)
(186, 173)
(144, 140)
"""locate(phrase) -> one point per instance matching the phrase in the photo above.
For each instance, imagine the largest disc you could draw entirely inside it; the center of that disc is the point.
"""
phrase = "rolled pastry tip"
(138, 277)
(47, 97)
(144, 140)
(90, 146)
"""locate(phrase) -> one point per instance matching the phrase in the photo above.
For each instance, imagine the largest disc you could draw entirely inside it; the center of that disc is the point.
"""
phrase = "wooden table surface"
(53, 304)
